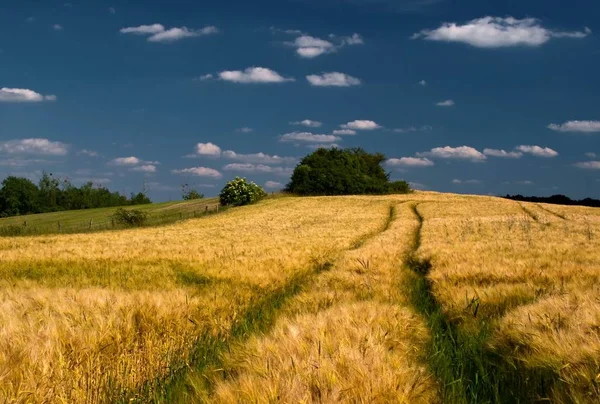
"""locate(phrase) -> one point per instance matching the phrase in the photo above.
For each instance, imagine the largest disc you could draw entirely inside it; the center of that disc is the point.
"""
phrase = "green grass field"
(76, 221)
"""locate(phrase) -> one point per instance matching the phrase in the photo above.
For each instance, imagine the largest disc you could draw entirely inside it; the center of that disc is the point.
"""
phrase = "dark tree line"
(556, 200)
(20, 196)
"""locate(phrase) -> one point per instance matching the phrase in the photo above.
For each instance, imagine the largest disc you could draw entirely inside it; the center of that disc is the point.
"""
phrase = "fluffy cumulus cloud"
(497, 32)
(576, 126)
(258, 168)
(158, 32)
(537, 151)
(361, 124)
(273, 185)
(589, 165)
(446, 103)
(410, 162)
(257, 158)
(125, 161)
(146, 168)
(344, 132)
(502, 153)
(308, 137)
(310, 47)
(253, 75)
(308, 123)
(208, 149)
(332, 79)
(199, 172)
(35, 146)
(455, 153)
(23, 95)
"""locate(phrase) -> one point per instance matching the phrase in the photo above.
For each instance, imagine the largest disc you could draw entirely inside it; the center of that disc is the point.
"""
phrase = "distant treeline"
(20, 196)
(556, 200)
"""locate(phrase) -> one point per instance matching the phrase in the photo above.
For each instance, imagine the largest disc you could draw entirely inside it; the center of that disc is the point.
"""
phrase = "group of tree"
(556, 200)
(20, 196)
(343, 172)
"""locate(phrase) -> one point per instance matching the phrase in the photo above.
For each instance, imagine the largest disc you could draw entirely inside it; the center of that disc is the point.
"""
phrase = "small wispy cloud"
(361, 125)
(198, 172)
(537, 151)
(23, 95)
(502, 153)
(446, 103)
(344, 132)
(158, 32)
(455, 153)
(245, 129)
(308, 137)
(112, 10)
(576, 126)
(310, 47)
(35, 146)
(333, 79)
(57, 27)
(258, 168)
(412, 129)
(423, 83)
(257, 158)
(468, 182)
(88, 153)
(308, 123)
(146, 168)
(588, 165)
(410, 162)
(259, 75)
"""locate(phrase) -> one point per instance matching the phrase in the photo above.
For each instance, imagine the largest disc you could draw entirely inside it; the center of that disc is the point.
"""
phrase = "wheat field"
(328, 299)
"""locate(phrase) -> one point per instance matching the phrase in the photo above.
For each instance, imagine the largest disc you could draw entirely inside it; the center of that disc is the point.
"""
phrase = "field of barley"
(418, 298)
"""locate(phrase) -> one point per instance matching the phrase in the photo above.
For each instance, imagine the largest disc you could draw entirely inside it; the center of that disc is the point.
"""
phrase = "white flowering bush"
(239, 191)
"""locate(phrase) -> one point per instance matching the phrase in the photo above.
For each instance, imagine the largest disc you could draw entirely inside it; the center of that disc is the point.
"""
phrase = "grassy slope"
(74, 220)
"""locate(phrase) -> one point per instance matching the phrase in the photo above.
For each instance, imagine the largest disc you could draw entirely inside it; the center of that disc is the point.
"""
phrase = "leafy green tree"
(343, 172)
(189, 194)
(18, 196)
(49, 191)
(139, 199)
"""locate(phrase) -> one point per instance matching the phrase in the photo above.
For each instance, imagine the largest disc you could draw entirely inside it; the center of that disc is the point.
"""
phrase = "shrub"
(131, 217)
(191, 195)
(343, 172)
(239, 191)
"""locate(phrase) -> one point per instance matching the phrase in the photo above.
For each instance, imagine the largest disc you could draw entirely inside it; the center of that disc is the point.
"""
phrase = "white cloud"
(30, 19)
(590, 155)
(125, 161)
(333, 79)
(410, 129)
(457, 153)
(143, 29)
(57, 27)
(258, 158)
(158, 32)
(472, 182)
(205, 77)
(258, 168)
(537, 151)
(447, 103)
(86, 152)
(37, 146)
(146, 168)
(112, 10)
(361, 125)
(496, 32)
(589, 165)
(355, 39)
(199, 172)
(308, 123)
(410, 162)
(4, 162)
(273, 185)
(310, 47)
(208, 149)
(253, 75)
(308, 137)
(245, 129)
(423, 83)
(344, 132)
(577, 126)
(23, 95)
(525, 182)
(502, 153)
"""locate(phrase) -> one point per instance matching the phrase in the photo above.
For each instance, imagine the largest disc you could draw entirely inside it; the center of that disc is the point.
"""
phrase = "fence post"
(206, 209)
(112, 223)
(91, 222)
(25, 223)
(217, 208)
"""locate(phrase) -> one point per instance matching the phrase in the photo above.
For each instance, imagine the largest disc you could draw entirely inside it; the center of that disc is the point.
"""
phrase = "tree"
(189, 194)
(239, 191)
(48, 192)
(18, 196)
(343, 172)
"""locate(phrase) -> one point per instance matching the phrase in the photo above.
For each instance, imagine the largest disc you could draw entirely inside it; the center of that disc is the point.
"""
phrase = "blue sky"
(461, 96)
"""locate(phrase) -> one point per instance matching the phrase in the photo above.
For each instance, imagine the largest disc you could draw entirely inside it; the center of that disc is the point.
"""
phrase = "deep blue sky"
(125, 94)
